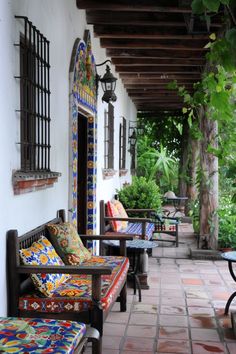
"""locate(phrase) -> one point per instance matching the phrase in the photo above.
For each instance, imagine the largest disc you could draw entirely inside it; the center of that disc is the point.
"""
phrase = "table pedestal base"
(143, 279)
(229, 302)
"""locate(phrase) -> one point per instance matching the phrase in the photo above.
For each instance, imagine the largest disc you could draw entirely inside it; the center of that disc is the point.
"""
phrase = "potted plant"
(141, 194)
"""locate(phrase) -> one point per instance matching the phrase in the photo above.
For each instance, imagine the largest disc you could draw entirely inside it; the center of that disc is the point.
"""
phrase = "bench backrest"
(104, 225)
(18, 284)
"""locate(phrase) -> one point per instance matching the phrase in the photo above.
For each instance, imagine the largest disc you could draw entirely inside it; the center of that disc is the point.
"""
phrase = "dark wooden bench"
(23, 300)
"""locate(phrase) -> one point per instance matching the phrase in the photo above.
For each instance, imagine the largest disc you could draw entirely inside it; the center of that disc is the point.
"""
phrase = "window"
(34, 100)
(109, 138)
(122, 152)
(34, 173)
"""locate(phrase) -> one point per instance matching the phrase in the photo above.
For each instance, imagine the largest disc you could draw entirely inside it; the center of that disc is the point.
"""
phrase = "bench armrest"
(121, 237)
(170, 218)
(52, 269)
(140, 210)
(109, 218)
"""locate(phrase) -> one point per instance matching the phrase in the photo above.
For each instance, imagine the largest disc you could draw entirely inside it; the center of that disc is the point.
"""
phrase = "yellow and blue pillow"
(42, 252)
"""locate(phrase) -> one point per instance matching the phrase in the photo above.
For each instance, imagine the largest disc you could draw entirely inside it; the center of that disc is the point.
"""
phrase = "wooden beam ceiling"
(151, 43)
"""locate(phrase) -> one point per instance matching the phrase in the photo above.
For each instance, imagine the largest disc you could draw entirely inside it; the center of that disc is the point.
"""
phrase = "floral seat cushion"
(74, 295)
(35, 335)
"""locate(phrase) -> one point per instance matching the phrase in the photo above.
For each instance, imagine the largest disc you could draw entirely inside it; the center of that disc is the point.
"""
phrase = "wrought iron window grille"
(109, 138)
(122, 155)
(34, 99)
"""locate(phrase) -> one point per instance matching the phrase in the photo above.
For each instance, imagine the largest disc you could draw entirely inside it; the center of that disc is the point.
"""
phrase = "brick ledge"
(25, 182)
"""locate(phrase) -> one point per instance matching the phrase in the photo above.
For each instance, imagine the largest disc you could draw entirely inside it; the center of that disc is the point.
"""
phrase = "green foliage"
(227, 221)
(217, 94)
(162, 130)
(194, 212)
(204, 6)
(141, 194)
(156, 164)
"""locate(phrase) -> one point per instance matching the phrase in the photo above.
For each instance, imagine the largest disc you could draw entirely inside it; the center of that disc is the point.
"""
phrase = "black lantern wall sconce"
(132, 139)
(108, 82)
(134, 131)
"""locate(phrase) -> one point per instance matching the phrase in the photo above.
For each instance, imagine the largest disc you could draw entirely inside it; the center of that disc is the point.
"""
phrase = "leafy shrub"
(195, 215)
(141, 194)
(227, 222)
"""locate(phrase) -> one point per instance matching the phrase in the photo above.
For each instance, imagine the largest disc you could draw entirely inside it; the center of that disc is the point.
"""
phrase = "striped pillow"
(113, 212)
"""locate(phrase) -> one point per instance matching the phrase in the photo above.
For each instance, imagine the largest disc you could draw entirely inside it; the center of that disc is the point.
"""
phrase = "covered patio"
(162, 79)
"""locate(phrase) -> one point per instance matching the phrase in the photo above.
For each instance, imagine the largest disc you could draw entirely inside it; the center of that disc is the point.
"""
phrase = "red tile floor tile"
(141, 344)
(202, 347)
(173, 346)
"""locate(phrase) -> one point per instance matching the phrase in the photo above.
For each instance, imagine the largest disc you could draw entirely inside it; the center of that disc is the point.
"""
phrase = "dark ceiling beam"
(123, 69)
(167, 62)
(152, 53)
(189, 87)
(155, 85)
(150, 80)
(153, 44)
(145, 5)
(157, 99)
(163, 75)
(155, 114)
(159, 107)
(135, 18)
(153, 93)
(119, 32)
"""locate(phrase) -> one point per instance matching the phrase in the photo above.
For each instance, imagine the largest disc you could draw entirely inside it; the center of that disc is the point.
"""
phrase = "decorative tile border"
(84, 98)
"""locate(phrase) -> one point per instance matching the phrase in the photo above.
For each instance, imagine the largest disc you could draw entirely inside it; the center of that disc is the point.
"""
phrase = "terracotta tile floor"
(182, 312)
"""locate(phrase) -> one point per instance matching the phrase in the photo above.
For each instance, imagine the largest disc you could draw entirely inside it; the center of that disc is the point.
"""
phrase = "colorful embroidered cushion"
(122, 212)
(75, 295)
(65, 237)
(37, 335)
(113, 212)
(42, 252)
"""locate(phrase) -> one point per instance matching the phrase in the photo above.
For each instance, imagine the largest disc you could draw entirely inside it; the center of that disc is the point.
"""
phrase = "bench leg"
(177, 236)
(94, 337)
(123, 298)
(97, 319)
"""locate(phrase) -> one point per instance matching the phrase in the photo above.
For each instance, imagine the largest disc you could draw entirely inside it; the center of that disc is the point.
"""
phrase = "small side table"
(231, 258)
(138, 247)
(176, 203)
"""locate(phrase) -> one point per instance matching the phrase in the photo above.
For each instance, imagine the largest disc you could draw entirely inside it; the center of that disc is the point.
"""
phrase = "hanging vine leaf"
(212, 5)
(198, 7)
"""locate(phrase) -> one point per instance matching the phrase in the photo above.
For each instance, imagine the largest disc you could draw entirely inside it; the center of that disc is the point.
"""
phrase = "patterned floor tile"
(141, 331)
(138, 344)
(208, 348)
(205, 334)
(173, 333)
(202, 322)
(173, 346)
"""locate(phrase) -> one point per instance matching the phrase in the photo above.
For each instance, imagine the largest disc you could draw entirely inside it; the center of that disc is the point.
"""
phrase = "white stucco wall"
(61, 22)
